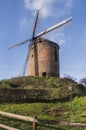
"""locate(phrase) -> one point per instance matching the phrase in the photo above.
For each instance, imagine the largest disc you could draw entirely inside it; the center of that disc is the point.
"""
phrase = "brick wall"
(47, 59)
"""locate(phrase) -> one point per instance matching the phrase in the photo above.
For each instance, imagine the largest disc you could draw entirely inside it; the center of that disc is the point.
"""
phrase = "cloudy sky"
(17, 20)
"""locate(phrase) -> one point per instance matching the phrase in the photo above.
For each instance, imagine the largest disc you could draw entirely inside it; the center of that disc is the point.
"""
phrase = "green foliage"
(83, 81)
(37, 82)
(27, 89)
(59, 111)
(5, 84)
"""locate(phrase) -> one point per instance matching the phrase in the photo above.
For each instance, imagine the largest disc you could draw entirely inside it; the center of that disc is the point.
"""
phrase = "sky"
(16, 23)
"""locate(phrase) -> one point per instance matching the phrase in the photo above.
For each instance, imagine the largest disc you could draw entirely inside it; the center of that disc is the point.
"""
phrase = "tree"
(83, 81)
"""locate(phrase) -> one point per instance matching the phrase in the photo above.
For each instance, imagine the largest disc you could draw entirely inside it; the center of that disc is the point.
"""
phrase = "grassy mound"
(38, 89)
(55, 96)
(35, 82)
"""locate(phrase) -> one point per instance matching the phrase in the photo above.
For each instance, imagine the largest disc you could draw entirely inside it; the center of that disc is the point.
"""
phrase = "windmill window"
(31, 55)
(55, 54)
(44, 74)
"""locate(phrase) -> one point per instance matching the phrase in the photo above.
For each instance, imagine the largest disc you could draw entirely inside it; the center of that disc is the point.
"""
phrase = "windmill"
(33, 42)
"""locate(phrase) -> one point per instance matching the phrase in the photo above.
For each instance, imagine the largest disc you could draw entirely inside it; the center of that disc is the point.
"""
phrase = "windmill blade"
(26, 61)
(33, 34)
(35, 24)
(19, 44)
(54, 27)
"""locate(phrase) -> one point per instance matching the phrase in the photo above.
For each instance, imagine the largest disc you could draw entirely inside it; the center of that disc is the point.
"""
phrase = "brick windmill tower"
(43, 55)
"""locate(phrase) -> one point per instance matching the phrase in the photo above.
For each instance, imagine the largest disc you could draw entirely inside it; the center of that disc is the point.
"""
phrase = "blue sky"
(16, 22)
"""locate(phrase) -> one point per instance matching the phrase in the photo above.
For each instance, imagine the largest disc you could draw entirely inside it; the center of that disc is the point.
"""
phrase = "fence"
(36, 122)
(19, 117)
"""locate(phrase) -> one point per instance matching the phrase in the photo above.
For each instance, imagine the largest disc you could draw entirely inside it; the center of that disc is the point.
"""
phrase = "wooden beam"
(72, 124)
(24, 118)
(7, 127)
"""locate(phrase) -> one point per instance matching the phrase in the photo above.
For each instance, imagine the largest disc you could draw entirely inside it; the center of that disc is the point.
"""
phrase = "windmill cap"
(41, 39)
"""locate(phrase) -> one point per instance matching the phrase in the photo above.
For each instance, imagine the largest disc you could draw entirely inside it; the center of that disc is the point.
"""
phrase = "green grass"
(48, 111)
(56, 108)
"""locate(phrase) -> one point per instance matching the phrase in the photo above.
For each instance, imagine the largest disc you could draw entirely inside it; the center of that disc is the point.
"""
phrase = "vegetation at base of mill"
(35, 82)
(27, 89)
(60, 109)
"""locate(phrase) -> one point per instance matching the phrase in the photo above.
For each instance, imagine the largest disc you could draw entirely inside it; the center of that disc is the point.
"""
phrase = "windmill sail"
(26, 60)
(19, 44)
(35, 24)
(54, 27)
(33, 41)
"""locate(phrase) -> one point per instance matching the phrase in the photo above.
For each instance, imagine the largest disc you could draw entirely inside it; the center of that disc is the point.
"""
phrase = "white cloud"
(55, 8)
(45, 6)
(50, 7)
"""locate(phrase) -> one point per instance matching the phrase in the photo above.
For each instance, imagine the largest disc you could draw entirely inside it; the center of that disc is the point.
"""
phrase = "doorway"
(44, 74)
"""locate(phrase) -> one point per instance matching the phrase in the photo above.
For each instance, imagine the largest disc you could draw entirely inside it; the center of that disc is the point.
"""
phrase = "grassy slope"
(55, 111)
(51, 87)
(50, 111)
(59, 110)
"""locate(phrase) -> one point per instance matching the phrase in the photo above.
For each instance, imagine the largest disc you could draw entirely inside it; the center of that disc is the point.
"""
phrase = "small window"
(31, 55)
(44, 74)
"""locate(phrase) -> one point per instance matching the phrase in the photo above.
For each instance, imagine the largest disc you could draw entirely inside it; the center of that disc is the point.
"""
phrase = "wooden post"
(34, 125)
